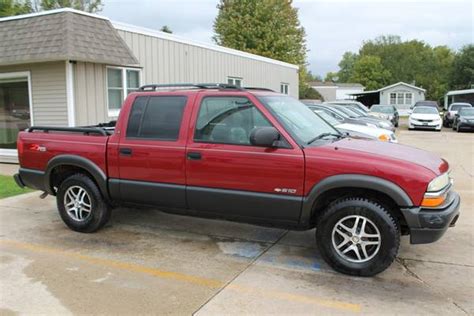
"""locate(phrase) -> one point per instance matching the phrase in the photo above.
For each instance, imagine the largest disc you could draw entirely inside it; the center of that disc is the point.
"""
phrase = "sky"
(332, 26)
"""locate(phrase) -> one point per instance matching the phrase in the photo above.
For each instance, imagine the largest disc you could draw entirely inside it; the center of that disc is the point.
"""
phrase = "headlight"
(437, 191)
(439, 183)
(384, 137)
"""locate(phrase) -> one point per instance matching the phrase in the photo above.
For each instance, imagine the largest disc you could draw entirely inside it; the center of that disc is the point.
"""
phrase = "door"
(152, 152)
(227, 176)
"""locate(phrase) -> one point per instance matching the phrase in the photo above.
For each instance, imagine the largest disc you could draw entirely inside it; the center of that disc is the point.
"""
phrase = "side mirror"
(265, 137)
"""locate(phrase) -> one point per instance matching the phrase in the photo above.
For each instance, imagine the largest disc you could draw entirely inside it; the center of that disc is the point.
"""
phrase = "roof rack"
(258, 88)
(220, 86)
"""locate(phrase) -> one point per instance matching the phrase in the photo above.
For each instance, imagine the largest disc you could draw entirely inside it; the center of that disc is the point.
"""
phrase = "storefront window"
(14, 109)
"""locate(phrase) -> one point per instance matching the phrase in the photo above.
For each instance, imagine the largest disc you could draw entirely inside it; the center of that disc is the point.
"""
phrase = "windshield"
(297, 118)
(348, 111)
(456, 107)
(466, 111)
(328, 118)
(426, 103)
(425, 110)
(387, 109)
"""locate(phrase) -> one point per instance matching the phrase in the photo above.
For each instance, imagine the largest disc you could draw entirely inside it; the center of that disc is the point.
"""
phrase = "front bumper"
(466, 125)
(427, 225)
(427, 125)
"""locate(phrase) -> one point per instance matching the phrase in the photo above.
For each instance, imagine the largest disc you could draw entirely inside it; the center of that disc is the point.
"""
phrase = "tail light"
(20, 145)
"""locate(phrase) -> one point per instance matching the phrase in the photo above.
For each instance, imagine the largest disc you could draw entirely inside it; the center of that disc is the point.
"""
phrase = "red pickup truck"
(249, 155)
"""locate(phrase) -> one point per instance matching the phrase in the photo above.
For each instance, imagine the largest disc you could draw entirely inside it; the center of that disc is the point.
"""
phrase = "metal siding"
(90, 93)
(48, 89)
(166, 61)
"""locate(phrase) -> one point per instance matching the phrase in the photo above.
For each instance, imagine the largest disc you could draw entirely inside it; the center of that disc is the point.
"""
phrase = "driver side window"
(227, 120)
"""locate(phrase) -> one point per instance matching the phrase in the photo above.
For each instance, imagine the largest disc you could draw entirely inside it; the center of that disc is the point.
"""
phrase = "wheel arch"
(387, 191)
(58, 164)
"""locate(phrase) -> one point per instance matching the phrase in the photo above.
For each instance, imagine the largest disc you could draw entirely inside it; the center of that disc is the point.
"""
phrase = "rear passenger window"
(227, 120)
(156, 117)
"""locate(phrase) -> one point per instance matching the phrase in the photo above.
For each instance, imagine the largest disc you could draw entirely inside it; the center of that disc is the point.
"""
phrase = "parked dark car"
(464, 119)
(428, 103)
(453, 109)
(386, 112)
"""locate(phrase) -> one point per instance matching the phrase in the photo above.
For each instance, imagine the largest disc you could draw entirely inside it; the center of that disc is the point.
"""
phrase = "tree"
(346, 66)
(268, 28)
(15, 7)
(333, 77)
(305, 90)
(91, 6)
(166, 29)
(462, 73)
(369, 71)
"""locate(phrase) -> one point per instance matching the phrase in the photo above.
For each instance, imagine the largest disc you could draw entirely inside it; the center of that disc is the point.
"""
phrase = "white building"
(331, 91)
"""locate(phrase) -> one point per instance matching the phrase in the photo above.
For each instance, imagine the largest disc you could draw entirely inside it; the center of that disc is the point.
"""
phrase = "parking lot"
(146, 261)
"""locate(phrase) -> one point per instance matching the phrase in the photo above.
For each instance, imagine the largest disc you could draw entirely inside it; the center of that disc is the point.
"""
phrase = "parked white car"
(359, 130)
(425, 117)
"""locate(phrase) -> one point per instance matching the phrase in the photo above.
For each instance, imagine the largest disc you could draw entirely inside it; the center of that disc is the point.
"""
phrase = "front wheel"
(81, 205)
(358, 236)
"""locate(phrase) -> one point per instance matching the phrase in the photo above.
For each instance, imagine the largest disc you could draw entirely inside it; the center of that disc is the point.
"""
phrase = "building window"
(393, 98)
(401, 98)
(408, 98)
(15, 105)
(236, 81)
(120, 82)
(284, 88)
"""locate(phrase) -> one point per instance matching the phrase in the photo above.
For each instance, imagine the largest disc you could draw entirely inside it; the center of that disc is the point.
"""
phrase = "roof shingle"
(62, 36)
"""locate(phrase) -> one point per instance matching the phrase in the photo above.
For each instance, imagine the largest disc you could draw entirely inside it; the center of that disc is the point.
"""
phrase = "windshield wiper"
(324, 135)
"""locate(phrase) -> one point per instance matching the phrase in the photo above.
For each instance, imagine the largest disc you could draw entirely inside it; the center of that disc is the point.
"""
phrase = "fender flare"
(354, 181)
(71, 160)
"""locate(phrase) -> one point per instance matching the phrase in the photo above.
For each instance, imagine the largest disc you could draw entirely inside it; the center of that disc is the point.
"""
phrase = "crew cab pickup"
(249, 155)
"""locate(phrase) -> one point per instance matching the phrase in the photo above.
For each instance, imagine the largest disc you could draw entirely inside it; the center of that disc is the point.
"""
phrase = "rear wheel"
(358, 236)
(81, 205)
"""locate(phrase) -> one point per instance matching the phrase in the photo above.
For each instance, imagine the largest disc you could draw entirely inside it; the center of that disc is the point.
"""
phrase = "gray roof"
(64, 35)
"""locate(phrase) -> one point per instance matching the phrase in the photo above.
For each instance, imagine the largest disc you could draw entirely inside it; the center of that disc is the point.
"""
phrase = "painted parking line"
(176, 276)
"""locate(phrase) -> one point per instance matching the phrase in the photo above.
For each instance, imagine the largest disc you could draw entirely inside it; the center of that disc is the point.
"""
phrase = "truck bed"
(39, 144)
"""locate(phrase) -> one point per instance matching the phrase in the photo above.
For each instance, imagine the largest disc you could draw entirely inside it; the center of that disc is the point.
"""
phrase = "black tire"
(100, 211)
(386, 224)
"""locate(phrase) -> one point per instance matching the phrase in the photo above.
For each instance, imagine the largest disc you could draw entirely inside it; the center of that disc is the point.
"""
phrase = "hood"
(467, 117)
(402, 155)
(422, 116)
(383, 116)
(372, 131)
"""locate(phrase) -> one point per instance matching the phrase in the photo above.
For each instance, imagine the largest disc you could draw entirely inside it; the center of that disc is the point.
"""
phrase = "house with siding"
(402, 95)
(70, 68)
